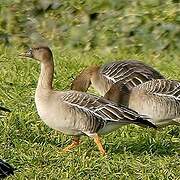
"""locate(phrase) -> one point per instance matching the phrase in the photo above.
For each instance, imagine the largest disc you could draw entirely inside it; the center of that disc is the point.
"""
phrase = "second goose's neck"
(46, 76)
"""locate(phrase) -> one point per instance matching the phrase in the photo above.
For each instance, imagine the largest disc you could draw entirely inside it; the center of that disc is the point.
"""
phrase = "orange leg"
(74, 143)
(99, 144)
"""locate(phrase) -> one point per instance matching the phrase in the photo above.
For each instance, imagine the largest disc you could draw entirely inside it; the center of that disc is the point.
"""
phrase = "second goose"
(159, 99)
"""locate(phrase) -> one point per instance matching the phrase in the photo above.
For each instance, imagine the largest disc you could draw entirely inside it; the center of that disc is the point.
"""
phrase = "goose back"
(159, 99)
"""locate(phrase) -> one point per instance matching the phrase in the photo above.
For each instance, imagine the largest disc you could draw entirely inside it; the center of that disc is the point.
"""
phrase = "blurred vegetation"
(105, 24)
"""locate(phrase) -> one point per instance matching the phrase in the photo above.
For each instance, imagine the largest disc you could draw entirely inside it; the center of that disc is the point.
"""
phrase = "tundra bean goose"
(128, 72)
(77, 113)
(5, 169)
(159, 99)
(4, 109)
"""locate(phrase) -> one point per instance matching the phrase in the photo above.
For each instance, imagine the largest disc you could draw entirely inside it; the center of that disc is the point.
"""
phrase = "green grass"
(35, 150)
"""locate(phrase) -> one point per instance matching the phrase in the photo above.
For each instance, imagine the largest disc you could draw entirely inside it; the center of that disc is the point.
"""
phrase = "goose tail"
(5, 169)
(147, 121)
(4, 109)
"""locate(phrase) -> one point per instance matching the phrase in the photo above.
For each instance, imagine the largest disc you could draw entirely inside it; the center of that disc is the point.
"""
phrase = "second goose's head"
(42, 54)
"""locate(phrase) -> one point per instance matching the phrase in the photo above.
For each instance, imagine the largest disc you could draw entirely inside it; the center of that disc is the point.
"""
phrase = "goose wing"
(131, 72)
(102, 109)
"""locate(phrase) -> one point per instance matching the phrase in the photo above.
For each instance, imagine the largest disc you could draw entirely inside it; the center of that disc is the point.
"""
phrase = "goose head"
(42, 54)
(84, 79)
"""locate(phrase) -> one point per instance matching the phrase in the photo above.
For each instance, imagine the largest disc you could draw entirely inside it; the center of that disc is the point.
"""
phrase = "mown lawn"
(35, 150)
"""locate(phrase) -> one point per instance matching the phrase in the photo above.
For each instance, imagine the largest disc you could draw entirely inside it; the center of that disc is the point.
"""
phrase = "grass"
(35, 150)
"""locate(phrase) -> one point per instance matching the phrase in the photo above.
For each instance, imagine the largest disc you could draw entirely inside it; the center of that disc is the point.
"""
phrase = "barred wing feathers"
(103, 109)
(129, 72)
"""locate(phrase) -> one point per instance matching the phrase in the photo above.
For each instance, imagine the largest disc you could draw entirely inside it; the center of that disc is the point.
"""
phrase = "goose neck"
(46, 76)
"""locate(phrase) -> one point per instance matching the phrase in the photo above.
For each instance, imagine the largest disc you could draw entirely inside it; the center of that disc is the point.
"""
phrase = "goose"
(129, 72)
(159, 99)
(77, 113)
(5, 169)
(4, 109)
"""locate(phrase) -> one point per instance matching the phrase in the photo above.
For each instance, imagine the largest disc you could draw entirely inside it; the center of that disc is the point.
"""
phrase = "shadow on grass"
(157, 144)
(137, 148)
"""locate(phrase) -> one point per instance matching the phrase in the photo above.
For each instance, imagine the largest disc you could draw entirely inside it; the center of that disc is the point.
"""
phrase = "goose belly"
(158, 109)
(110, 127)
(57, 118)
